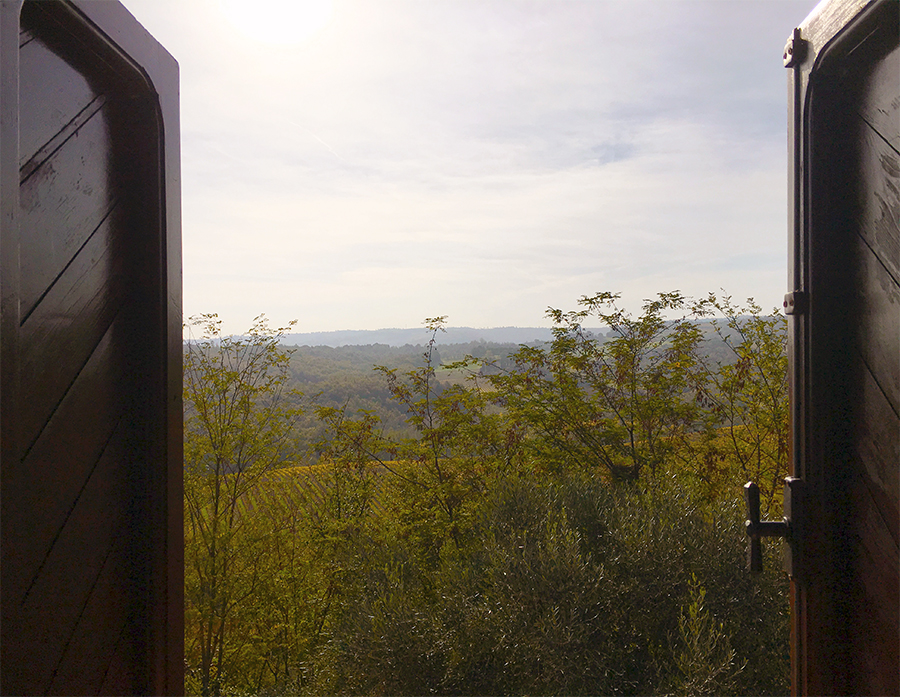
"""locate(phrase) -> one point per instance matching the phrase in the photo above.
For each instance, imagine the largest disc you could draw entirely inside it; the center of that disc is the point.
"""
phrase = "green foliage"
(747, 395)
(343, 379)
(704, 661)
(457, 444)
(237, 428)
(567, 587)
(235, 390)
(622, 404)
(566, 521)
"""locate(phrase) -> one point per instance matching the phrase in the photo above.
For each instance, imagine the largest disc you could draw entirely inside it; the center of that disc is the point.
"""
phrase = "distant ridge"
(420, 336)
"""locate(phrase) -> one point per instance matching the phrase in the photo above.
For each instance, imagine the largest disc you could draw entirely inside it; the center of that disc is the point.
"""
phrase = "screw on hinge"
(795, 303)
(794, 50)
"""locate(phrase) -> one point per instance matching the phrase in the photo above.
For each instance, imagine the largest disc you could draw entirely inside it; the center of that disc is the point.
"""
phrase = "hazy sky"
(367, 164)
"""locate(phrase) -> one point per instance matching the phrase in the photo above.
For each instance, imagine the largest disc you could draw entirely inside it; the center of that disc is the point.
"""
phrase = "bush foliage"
(567, 522)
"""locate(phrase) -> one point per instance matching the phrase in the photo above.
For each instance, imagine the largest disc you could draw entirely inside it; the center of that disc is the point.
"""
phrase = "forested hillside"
(402, 337)
(347, 376)
(559, 518)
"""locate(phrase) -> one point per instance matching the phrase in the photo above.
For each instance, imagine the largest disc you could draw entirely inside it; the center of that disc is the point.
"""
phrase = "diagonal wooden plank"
(61, 204)
(40, 491)
(58, 338)
(52, 94)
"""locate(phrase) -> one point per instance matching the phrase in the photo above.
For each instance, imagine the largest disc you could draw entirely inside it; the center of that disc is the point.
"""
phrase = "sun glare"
(283, 22)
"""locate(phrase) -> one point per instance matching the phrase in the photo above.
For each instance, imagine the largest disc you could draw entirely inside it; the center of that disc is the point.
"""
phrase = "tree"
(569, 585)
(703, 661)
(457, 442)
(748, 395)
(237, 427)
(490, 547)
(624, 403)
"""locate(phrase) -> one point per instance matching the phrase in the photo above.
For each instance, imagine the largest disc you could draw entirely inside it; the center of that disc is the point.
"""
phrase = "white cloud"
(479, 159)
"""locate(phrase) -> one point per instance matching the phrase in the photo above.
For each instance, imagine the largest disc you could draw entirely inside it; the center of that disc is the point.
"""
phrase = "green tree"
(569, 586)
(541, 579)
(237, 428)
(458, 440)
(285, 619)
(747, 394)
(489, 546)
(624, 403)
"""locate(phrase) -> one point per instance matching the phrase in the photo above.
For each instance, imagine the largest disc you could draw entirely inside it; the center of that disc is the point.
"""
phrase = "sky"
(363, 164)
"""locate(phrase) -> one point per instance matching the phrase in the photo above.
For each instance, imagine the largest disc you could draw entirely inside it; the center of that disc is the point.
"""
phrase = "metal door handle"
(786, 527)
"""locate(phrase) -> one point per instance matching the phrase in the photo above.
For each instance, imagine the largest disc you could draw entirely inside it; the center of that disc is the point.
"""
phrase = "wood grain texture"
(876, 305)
(57, 339)
(880, 103)
(51, 476)
(878, 198)
(96, 526)
(848, 621)
(103, 626)
(91, 499)
(54, 91)
(61, 204)
(119, 678)
(876, 438)
(873, 628)
(874, 284)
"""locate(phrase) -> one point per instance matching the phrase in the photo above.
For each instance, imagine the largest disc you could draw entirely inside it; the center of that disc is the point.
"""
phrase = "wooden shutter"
(845, 346)
(90, 352)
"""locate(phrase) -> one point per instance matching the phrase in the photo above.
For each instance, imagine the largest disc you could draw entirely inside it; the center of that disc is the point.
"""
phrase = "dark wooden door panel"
(877, 314)
(875, 365)
(879, 105)
(51, 475)
(879, 199)
(90, 511)
(878, 451)
(56, 93)
(62, 203)
(84, 548)
(100, 633)
(846, 349)
(873, 624)
(119, 676)
(70, 321)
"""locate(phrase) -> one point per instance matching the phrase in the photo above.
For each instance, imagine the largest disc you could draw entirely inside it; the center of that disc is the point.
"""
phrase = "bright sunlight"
(282, 22)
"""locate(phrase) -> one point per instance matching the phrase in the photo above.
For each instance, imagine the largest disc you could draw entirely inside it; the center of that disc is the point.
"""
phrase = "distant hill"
(420, 336)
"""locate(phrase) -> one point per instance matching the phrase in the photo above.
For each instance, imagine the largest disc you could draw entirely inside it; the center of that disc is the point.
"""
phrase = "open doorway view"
(522, 269)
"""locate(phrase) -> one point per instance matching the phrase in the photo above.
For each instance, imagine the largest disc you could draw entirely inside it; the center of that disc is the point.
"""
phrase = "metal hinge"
(794, 50)
(789, 527)
(796, 303)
